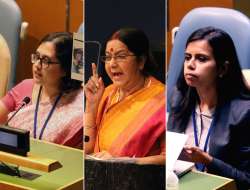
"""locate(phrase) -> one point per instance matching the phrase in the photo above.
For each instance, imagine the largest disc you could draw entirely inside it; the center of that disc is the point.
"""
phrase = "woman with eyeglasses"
(55, 111)
(127, 118)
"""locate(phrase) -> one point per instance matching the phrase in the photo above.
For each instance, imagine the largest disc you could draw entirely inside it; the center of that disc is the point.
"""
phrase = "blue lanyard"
(49, 115)
(200, 166)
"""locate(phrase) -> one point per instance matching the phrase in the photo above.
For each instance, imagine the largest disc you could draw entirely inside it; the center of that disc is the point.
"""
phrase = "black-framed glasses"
(118, 58)
(44, 61)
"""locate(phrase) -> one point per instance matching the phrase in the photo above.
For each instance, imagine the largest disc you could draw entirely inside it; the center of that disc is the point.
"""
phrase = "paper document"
(182, 167)
(174, 145)
(90, 157)
(117, 159)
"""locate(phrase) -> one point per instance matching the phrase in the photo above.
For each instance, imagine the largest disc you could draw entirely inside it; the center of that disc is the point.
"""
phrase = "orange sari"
(135, 126)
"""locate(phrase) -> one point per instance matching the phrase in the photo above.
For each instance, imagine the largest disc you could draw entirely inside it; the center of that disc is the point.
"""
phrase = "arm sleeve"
(14, 97)
(239, 168)
(242, 177)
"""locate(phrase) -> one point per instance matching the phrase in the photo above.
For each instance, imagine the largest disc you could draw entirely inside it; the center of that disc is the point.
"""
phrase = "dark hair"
(78, 51)
(63, 43)
(224, 53)
(138, 43)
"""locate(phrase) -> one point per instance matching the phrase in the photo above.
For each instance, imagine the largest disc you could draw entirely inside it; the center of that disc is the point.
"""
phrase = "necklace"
(146, 83)
(49, 115)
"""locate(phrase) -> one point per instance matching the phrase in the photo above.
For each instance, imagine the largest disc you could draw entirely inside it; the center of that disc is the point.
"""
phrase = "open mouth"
(117, 74)
(37, 75)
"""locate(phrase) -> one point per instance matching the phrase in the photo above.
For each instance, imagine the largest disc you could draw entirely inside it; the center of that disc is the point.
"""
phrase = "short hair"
(138, 43)
(63, 43)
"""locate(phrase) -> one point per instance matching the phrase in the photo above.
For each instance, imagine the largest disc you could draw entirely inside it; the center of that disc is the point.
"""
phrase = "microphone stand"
(23, 104)
(98, 53)
(9, 170)
(25, 101)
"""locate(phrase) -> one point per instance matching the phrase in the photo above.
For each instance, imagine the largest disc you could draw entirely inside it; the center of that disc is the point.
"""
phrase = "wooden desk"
(69, 177)
(197, 180)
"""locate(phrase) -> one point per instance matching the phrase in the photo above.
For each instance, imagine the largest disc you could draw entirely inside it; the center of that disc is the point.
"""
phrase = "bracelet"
(90, 127)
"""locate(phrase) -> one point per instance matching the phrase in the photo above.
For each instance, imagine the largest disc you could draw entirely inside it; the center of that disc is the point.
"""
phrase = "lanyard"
(200, 166)
(49, 115)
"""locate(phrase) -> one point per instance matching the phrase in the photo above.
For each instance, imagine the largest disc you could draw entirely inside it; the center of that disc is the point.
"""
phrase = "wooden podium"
(108, 175)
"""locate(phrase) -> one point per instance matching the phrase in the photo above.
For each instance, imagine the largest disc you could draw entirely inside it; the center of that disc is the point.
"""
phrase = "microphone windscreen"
(26, 100)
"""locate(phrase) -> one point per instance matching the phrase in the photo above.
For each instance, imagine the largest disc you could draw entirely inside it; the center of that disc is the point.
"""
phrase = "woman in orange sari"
(126, 119)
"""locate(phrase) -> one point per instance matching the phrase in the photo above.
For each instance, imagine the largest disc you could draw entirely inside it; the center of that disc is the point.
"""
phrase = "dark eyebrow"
(204, 55)
(119, 51)
(43, 56)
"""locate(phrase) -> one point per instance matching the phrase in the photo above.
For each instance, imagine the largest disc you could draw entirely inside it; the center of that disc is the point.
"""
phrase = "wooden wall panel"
(44, 16)
(242, 6)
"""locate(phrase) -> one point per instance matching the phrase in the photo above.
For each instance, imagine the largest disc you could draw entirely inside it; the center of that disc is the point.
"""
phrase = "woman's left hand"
(195, 154)
(102, 155)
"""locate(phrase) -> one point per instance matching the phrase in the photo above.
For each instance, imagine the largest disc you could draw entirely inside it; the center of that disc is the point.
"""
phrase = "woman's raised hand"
(93, 90)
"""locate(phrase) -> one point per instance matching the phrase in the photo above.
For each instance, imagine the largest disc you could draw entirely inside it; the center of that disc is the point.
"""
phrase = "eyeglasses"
(118, 58)
(44, 61)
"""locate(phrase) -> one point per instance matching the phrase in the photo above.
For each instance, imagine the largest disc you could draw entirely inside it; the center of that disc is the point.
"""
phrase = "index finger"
(94, 70)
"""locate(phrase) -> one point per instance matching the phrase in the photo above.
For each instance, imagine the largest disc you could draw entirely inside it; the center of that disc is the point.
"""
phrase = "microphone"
(99, 50)
(25, 101)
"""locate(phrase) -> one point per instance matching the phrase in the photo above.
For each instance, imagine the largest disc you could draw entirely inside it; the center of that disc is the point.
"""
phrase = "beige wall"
(44, 16)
